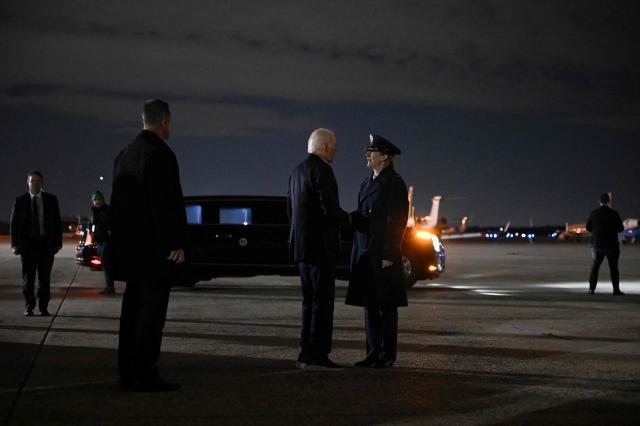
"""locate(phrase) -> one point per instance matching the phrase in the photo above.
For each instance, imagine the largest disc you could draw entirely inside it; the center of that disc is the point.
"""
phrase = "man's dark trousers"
(144, 309)
(104, 251)
(598, 255)
(318, 294)
(37, 257)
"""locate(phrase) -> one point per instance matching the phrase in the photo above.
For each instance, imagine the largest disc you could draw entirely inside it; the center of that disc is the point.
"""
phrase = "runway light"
(101, 177)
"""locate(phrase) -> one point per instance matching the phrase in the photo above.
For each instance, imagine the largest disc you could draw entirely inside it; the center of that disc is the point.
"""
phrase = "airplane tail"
(432, 220)
(411, 218)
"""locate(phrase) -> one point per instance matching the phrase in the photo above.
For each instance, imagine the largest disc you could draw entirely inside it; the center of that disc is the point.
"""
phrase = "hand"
(176, 256)
(386, 263)
(16, 250)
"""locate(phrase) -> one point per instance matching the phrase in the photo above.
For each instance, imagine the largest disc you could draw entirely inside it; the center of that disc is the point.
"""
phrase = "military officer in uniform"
(376, 281)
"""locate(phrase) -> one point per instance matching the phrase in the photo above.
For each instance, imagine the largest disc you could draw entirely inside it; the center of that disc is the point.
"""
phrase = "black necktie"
(35, 217)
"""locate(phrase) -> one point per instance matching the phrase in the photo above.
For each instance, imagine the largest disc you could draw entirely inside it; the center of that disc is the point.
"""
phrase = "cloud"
(521, 56)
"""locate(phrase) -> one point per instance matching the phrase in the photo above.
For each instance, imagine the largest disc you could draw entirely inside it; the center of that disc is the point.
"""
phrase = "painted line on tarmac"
(67, 386)
(22, 387)
(283, 373)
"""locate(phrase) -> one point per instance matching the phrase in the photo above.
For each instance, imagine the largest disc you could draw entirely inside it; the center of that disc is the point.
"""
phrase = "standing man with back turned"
(36, 235)
(146, 205)
(314, 243)
(604, 224)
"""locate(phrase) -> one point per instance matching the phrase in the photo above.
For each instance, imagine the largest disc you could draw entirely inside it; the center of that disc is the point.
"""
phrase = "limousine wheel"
(409, 272)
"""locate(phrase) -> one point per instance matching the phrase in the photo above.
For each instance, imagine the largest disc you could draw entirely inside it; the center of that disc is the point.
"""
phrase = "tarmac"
(506, 336)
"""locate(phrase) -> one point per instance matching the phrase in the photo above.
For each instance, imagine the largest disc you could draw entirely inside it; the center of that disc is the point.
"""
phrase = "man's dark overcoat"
(21, 222)
(147, 212)
(380, 223)
(314, 212)
(100, 222)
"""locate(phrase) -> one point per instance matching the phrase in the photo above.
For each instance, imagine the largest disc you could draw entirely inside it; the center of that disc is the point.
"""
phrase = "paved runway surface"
(506, 336)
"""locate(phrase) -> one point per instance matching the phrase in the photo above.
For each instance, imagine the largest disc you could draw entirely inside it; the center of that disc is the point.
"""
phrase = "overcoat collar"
(371, 185)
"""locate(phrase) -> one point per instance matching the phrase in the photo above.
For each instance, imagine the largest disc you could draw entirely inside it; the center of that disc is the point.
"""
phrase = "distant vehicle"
(248, 235)
(574, 232)
(86, 251)
(631, 231)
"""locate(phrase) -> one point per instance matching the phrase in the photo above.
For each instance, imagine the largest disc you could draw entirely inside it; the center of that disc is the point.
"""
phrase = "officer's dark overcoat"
(379, 223)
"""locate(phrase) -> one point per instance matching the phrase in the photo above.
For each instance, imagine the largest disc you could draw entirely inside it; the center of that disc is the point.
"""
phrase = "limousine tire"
(409, 272)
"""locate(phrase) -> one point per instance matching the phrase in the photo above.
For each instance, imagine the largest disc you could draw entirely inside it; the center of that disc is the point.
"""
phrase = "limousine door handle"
(224, 236)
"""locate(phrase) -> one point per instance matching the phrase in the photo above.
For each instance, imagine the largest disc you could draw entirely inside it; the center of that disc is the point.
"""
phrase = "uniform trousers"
(381, 330)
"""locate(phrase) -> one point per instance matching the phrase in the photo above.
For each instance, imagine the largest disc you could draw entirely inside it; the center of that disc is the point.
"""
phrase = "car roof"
(199, 198)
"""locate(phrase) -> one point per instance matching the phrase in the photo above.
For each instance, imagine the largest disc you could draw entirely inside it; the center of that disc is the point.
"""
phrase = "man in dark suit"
(36, 235)
(146, 205)
(314, 243)
(604, 224)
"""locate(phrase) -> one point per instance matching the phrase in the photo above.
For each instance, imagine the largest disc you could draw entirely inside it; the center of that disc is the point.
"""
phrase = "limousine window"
(194, 214)
(235, 216)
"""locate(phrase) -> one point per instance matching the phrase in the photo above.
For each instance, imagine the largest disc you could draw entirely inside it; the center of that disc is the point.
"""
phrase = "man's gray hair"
(153, 111)
(318, 139)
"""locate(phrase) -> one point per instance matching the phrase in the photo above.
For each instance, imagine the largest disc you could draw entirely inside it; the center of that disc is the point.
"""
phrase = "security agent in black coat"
(148, 232)
(315, 216)
(376, 281)
(36, 235)
(604, 224)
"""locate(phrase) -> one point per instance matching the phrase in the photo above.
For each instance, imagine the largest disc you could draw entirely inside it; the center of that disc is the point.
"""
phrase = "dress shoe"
(108, 290)
(157, 385)
(28, 312)
(367, 362)
(384, 363)
(618, 293)
(302, 361)
(44, 313)
(591, 292)
(323, 364)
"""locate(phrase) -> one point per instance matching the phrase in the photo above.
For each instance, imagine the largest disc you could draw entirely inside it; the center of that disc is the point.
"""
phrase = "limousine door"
(239, 238)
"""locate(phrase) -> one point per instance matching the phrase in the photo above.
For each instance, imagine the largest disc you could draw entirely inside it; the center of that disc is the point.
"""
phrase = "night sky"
(514, 110)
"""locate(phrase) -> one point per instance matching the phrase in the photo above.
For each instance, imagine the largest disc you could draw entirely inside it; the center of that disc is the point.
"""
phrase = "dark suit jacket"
(21, 222)
(314, 212)
(148, 218)
(380, 222)
(604, 224)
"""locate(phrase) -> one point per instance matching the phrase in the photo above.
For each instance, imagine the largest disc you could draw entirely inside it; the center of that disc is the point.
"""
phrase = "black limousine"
(248, 235)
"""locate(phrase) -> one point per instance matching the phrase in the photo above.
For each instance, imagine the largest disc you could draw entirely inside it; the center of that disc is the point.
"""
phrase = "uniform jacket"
(604, 224)
(379, 224)
(314, 212)
(147, 212)
(21, 222)
(100, 223)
